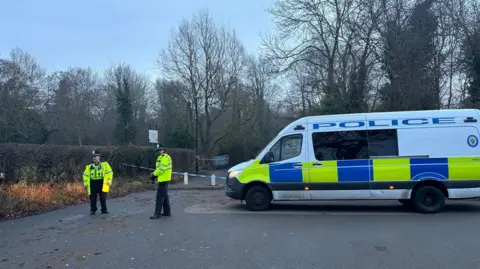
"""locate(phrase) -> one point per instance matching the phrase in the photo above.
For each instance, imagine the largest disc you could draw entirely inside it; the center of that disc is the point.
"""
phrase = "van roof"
(385, 116)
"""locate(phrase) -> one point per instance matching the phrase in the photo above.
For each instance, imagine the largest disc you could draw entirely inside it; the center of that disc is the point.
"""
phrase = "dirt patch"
(29, 241)
(143, 200)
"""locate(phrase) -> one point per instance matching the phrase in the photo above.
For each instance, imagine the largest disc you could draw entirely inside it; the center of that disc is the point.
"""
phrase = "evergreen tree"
(472, 62)
(125, 128)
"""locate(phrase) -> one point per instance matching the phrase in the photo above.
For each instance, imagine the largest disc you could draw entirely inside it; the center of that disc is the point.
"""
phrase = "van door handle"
(297, 165)
(317, 164)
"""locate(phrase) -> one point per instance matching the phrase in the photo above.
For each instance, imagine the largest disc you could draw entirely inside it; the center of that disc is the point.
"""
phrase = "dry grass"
(20, 200)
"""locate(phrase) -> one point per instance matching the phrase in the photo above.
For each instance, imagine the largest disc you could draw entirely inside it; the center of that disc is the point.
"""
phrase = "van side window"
(382, 142)
(347, 145)
(287, 147)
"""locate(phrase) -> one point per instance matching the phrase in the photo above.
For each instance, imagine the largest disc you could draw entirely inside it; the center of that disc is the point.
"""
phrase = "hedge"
(52, 163)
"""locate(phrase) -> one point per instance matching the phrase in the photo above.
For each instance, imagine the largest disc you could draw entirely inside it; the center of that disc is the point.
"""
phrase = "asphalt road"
(210, 231)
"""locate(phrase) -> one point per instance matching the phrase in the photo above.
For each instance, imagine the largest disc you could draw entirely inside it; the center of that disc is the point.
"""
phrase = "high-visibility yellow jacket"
(163, 168)
(98, 172)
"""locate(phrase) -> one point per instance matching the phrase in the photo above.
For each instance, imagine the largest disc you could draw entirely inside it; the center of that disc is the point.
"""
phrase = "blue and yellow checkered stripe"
(405, 169)
(398, 169)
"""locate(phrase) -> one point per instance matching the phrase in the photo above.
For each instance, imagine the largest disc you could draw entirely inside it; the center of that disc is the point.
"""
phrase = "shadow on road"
(364, 207)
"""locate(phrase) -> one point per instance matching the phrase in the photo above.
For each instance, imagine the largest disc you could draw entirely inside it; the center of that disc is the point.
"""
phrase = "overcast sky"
(82, 33)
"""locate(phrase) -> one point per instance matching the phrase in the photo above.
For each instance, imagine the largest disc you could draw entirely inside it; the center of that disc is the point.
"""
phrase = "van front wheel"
(258, 198)
(428, 199)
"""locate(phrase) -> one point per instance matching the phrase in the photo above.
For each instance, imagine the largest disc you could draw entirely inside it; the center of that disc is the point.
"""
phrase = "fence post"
(213, 180)
(185, 178)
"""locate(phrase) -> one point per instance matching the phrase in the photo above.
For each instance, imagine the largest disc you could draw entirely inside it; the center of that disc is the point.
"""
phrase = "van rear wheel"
(258, 198)
(428, 199)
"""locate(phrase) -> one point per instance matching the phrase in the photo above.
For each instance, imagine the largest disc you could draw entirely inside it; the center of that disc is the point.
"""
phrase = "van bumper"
(234, 188)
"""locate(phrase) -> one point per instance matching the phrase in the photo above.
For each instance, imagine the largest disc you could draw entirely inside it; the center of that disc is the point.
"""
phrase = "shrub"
(54, 163)
(19, 200)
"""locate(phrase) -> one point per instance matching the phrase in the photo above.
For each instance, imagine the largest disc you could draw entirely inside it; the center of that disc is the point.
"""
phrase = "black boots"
(157, 216)
(103, 212)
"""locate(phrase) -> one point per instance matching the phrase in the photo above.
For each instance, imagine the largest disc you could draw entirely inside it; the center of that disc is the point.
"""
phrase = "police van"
(420, 158)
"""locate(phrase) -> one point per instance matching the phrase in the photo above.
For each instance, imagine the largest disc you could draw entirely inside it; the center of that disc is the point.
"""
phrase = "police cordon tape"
(185, 174)
(223, 157)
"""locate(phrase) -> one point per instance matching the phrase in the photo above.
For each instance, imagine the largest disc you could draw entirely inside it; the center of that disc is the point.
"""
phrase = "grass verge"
(19, 200)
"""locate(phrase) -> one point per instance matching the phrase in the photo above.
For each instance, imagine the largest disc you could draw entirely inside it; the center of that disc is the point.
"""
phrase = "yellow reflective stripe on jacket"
(164, 167)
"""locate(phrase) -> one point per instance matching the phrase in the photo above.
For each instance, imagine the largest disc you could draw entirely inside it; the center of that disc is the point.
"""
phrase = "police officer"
(163, 174)
(97, 179)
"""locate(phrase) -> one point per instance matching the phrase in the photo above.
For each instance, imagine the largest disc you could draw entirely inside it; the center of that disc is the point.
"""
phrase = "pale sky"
(82, 33)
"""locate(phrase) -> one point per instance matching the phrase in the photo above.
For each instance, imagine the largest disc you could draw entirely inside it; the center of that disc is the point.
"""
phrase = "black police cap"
(160, 147)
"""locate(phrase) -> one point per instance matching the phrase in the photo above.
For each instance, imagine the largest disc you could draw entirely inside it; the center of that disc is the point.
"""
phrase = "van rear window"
(354, 145)
(382, 143)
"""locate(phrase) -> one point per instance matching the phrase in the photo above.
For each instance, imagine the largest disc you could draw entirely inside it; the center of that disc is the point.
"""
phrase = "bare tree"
(331, 42)
(22, 83)
(74, 105)
(209, 59)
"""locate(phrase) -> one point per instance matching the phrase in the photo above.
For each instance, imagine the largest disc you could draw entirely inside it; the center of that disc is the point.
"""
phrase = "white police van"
(420, 158)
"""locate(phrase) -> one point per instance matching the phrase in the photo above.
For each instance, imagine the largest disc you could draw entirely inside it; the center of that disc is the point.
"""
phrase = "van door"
(288, 176)
(338, 164)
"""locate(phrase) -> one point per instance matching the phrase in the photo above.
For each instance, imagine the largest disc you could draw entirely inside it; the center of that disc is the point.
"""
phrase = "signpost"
(152, 134)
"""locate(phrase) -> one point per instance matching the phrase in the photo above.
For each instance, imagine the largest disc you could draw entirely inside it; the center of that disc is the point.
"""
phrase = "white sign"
(153, 136)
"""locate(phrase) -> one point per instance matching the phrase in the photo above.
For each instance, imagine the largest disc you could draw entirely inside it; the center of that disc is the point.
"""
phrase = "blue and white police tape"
(216, 158)
(175, 173)
(193, 175)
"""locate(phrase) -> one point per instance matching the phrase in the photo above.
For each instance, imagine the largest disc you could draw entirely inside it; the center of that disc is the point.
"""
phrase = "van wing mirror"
(269, 157)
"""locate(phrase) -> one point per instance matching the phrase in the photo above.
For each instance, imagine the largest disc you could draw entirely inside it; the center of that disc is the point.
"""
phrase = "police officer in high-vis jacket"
(163, 174)
(97, 179)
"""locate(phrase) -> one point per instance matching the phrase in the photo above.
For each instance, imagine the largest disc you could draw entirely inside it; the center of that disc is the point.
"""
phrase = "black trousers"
(96, 189)
(162, 200)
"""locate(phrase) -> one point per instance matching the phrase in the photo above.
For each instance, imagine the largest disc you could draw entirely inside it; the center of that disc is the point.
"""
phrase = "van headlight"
(235, 173)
